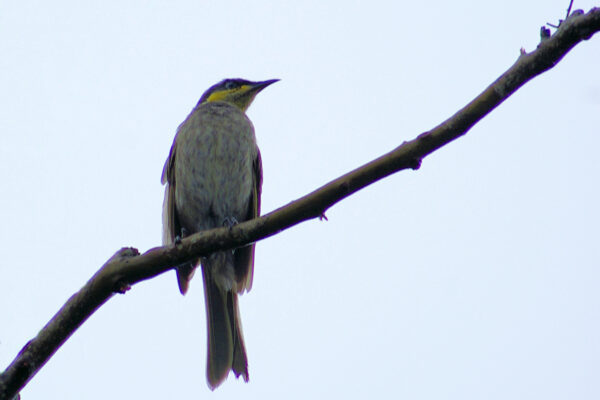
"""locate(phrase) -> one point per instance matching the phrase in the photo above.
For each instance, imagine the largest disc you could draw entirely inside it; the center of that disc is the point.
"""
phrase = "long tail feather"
(226, 350)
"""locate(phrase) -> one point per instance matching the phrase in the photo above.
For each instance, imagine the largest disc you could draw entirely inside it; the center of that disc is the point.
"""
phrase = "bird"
(213, 178)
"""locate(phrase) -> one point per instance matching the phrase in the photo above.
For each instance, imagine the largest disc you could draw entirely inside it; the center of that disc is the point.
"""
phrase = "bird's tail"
(226, 350)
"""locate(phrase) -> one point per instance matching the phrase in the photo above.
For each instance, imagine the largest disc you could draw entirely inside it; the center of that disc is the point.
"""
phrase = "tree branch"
(127, 267)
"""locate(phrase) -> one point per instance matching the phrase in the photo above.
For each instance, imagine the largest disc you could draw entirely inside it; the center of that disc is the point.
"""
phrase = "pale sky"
(475, 277)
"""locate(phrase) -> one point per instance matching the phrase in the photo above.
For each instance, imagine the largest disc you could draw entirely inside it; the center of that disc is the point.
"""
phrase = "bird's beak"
(258, 86)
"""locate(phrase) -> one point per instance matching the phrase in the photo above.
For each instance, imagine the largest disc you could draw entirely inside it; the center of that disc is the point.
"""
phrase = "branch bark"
(127, 267)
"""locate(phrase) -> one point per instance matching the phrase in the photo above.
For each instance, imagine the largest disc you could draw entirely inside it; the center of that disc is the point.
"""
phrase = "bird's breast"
(216, 148)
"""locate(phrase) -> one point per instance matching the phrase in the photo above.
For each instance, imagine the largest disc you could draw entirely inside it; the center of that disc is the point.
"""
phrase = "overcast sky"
(475, 277)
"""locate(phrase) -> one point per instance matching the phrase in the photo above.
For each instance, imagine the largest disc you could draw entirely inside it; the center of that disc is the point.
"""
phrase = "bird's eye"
(230, 85)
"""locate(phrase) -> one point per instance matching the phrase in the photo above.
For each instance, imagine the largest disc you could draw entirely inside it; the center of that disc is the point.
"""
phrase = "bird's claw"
(183, 234)
(230, 222)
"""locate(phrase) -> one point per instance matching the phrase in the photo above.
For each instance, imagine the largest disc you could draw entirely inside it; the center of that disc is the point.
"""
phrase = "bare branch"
(127, 267)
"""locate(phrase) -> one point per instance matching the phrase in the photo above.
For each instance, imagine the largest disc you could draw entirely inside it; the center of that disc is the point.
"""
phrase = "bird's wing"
(256, 193)
(171, 226)
(168, 169)
(244, 257)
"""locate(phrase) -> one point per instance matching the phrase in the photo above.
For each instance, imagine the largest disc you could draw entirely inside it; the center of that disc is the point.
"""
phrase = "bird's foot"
(230, 222)
(183, 234)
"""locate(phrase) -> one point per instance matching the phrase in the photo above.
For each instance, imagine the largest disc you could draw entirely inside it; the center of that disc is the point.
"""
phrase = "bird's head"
(238, 92)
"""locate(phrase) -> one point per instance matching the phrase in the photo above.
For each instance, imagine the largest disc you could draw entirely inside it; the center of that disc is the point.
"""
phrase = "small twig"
(560, 21)
(569, 9)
